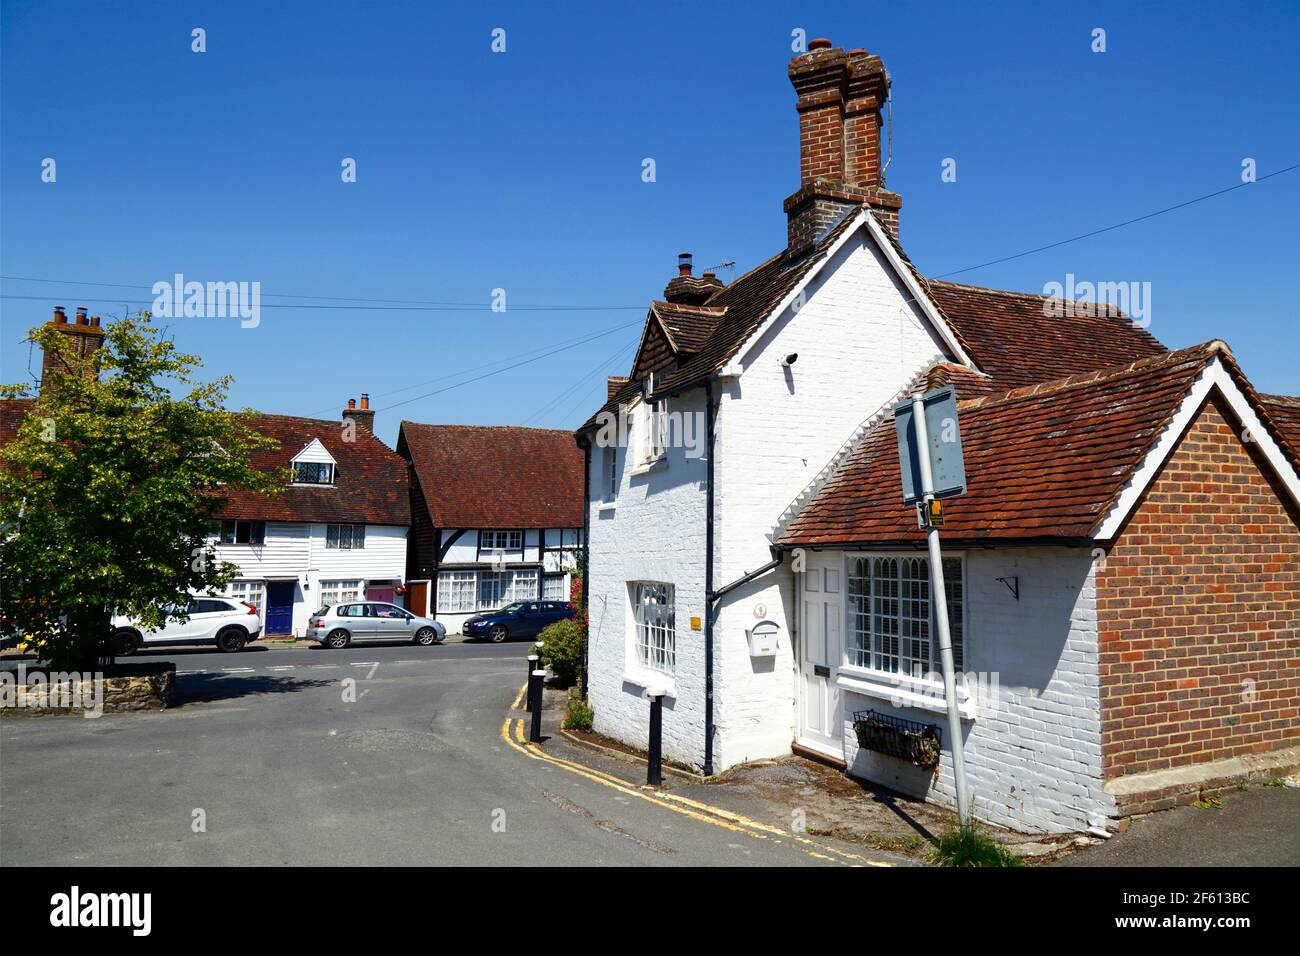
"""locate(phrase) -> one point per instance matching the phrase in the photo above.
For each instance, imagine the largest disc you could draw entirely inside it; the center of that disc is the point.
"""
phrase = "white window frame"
(338, 591)
(889, 658)
(654, 626)
(611, 474)
(457, 592)
(560, 592)
(353, 534)
(250, 591)
(501, 540)
(319, 464)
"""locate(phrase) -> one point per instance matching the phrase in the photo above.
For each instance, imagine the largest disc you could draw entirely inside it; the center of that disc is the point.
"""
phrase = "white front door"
(821, 725)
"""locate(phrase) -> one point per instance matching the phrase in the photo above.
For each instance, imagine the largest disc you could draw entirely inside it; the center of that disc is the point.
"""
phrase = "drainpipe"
(586, 557)
(708, 579)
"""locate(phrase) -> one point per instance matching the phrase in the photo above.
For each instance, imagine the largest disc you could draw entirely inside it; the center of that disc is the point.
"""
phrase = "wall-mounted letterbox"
(762, 639)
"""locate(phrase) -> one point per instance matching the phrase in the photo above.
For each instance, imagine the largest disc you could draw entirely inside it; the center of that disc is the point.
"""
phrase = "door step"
(808, 753)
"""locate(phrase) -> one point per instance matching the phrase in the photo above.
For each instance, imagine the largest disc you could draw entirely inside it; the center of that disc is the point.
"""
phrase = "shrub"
(579, 714)
(968, 847)
(562, 651)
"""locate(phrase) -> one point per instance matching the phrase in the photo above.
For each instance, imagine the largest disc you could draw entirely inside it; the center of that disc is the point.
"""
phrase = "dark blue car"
(521, 619)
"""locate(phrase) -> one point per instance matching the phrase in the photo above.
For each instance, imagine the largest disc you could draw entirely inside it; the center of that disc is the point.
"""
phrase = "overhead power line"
(1118, 225)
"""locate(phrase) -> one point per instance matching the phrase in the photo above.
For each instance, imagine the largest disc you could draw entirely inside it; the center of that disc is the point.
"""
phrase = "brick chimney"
(686, 289)
(363, 416)
(85, 334)
(841, 96)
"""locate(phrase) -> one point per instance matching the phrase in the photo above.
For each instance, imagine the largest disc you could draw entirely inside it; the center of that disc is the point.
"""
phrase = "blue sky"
(522, 171)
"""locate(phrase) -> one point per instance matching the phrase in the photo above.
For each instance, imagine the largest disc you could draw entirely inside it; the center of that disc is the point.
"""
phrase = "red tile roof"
(1044, 461)
(1009, 336)
(370, 485)
(1284, 410)
(476, 476)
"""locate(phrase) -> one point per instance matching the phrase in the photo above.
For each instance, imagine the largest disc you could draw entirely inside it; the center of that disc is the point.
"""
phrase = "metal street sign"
(943, 437)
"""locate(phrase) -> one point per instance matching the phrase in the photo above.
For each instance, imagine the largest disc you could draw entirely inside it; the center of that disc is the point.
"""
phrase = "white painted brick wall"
(1035, 762)
(655, 532)
(858, 341)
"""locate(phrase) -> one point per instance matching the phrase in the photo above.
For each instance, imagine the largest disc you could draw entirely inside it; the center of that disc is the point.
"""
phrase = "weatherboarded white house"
(767, 578)
(337, 532)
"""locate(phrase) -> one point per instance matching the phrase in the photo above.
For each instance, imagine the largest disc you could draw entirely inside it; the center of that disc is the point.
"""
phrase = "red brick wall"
(1199, 597)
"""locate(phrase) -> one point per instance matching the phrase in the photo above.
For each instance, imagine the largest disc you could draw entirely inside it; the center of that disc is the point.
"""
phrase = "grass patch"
(968, 847)
(1275, 782)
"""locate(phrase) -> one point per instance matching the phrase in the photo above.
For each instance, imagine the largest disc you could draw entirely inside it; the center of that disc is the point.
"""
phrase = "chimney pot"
(60, 317)
(94, 320)
(821, 43)
(82, 318)
(685, 263)
(352, 403)
(365, 399)
(710, 275)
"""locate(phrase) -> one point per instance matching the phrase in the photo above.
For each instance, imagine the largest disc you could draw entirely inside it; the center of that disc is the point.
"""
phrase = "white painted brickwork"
(654, 532)
(858, 340)
(1035, 763)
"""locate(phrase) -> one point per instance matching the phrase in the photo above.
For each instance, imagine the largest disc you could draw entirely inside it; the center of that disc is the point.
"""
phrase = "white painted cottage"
(337, 532)
(740, 475)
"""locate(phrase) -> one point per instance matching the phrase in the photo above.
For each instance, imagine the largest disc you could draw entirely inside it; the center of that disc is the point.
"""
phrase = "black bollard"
(535, 695)
(654, 764)
(532, 666)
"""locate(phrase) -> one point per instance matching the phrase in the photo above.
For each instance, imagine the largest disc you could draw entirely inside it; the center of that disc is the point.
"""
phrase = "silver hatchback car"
(340, 625)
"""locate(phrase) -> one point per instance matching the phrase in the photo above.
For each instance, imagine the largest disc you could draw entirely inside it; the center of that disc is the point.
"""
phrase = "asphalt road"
(371, 755)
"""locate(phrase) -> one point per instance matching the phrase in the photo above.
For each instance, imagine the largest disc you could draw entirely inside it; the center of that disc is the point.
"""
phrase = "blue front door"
(279, 608)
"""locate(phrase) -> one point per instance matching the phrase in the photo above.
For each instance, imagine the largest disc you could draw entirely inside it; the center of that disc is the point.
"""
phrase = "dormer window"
(313, 473)
(314, 465)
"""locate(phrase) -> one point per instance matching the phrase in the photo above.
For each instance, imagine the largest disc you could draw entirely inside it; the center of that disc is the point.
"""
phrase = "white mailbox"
(762, 639)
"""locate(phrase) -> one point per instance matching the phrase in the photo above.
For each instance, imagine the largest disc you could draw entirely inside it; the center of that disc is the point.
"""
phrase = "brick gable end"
(1198, 606)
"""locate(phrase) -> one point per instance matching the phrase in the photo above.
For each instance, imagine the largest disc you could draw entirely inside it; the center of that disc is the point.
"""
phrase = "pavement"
(372, 755)
(1259, 826)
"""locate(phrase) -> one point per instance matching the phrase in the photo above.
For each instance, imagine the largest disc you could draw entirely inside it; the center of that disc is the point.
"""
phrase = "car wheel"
(232, 639)
(338, 639)
(125, 642)
(498, 634)
(426, 636)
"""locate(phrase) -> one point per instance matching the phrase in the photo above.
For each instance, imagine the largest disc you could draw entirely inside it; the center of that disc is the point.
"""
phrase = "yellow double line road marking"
(702, 812)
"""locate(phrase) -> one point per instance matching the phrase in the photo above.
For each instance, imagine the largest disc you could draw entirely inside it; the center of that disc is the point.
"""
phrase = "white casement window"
(653, 420)
(313, 473)
(501, 540)
(611, 473)
(243, 532)
(654, 616)
(457, 592)
(336, 592)
(891, 615)
(523, 585)
(253, 592)
(463, 592)
(553, 588)
(345, 537)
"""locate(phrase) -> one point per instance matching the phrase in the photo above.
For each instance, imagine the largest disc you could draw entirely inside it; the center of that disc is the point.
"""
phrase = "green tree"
(111, 488)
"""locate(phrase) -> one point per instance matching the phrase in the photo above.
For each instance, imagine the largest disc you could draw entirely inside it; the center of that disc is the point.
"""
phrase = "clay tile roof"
(1042, 461)
(1284, 411)
(966, 382)
(370, 479)
(1010, 337)
(478, 476)
(688, 326)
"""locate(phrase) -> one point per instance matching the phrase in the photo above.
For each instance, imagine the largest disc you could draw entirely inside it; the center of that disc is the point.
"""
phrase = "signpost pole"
(940, 598)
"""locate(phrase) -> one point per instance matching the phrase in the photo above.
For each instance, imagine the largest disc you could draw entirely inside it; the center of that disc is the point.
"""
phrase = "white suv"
(225, 622)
